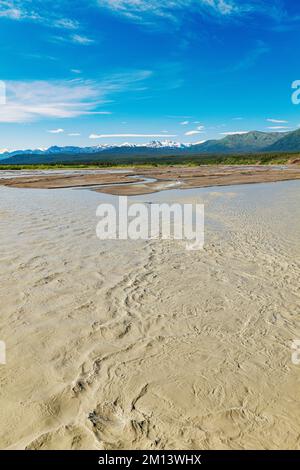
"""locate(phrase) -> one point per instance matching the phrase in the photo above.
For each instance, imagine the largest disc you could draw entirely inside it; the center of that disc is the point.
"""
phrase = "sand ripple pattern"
(117, 345)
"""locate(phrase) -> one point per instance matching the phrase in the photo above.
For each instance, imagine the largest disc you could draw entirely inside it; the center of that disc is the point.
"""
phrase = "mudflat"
(122, 344)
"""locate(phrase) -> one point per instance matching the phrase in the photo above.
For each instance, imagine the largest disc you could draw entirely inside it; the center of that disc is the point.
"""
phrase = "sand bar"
(145, 181)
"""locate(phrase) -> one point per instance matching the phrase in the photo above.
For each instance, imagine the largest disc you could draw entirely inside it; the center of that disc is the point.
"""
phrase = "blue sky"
(89, 72)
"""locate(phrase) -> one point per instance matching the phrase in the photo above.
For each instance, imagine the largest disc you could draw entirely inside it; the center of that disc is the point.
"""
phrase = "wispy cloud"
(185, 123)
(79, 39)
(74, 134)
(34, 100)
(193, 132)
(170, 10)
(143, 11)
(251, 57)
(135, 9)
(40, 11)
(73, 38)
(234, 132)
(10, 13)
(56, 131)
(128, 136)
(66, 23)
(277, 121)
(198, 130)
(278, 128)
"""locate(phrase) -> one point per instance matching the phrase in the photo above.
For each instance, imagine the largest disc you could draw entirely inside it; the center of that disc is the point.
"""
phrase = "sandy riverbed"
(123, 344)
(135, 181)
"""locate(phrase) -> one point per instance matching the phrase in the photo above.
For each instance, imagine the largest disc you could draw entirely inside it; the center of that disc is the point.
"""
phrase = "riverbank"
(135, 181)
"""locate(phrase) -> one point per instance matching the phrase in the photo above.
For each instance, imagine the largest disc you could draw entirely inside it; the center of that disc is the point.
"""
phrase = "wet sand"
(65, 179)
(144, 345)
(204, 176)
(135, 181)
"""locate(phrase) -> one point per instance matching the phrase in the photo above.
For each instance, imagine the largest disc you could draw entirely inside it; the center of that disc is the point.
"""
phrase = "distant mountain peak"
(93, 149)
(235, 143)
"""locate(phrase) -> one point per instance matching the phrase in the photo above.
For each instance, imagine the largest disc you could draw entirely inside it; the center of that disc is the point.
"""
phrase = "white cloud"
(74, 134)
(40, 11)
(73, 38)
(83, 40)
(185, 123)
(66, 23)
(277, 121)
(135, 9)
(108, 136)
(11, 13)
(234, 133)
(278, 128)
(171, 10)
(34, 100)
(56, 131)
(193, 132)
(146, 11)
(199, 130)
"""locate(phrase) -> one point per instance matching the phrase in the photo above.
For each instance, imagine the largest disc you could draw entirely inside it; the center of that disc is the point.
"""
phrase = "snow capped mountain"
(165, 144)
(21, 152)
(250, 142)
(125, 144)
(155, 144)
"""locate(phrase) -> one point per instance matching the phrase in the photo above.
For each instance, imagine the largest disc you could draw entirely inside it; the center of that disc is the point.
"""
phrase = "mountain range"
(250, 142)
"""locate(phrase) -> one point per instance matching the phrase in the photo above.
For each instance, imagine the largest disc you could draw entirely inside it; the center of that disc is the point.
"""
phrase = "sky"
(90, 72)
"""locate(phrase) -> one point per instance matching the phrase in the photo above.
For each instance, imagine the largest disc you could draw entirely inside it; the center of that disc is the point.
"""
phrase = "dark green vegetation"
(288, 143)
(97, 161)
(253, 141)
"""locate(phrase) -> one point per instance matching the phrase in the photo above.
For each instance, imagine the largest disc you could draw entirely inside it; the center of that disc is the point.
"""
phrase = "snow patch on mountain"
(155, 144)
